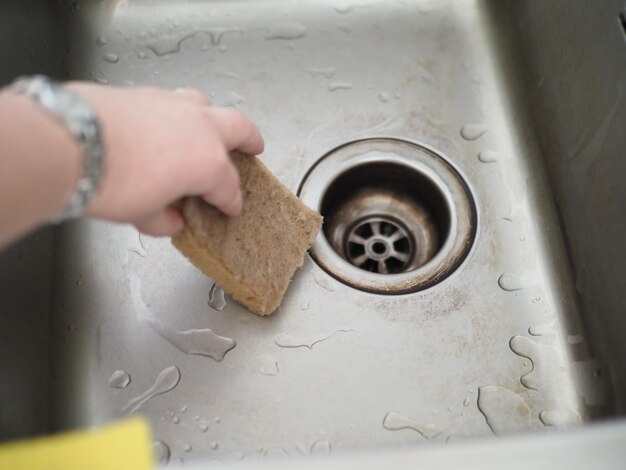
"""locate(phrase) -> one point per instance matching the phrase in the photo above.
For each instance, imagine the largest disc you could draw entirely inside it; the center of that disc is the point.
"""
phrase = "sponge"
(254, 256)
(123, 446)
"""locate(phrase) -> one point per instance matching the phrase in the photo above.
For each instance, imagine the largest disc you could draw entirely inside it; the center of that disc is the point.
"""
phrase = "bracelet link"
(83, 124)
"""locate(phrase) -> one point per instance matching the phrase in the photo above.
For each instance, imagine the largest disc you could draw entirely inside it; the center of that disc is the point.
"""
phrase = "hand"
(162, 145)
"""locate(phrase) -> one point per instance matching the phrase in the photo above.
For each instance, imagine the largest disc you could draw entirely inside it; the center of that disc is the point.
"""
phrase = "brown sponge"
(254, 256)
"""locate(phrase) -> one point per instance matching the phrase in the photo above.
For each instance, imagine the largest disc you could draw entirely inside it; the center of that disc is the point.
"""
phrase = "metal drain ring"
(380, 245)
(397, 179)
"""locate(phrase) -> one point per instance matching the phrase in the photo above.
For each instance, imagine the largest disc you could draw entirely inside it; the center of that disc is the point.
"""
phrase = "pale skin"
(160, 146)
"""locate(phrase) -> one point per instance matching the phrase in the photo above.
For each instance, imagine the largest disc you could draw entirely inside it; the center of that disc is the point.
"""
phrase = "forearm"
(39, 165)
(160, 146)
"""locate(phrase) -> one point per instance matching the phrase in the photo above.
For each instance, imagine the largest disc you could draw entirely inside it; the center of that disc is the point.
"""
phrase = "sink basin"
(522, 100)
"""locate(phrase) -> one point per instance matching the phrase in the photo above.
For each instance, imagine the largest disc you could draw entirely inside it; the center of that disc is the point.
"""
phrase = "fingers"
(194, 95)
(236, 130)
(225, 195)
(165, 223)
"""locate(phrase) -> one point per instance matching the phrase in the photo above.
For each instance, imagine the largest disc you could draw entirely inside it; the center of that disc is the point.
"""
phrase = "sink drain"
(380, 245)
(397, 216)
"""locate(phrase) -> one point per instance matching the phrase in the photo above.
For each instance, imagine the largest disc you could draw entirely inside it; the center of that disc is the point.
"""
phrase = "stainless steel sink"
(523, 100)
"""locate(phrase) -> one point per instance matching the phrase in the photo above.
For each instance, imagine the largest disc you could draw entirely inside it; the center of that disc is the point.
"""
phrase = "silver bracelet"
(82, 122)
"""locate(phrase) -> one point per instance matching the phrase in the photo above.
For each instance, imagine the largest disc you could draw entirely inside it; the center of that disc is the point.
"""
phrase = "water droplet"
(560, 418)
(101, 41)
(119, 379)
(214, 445)
(111, 58)
(522, 238)
(324, 281)
(536, 299)
(396, 422)
(383, 97)
(176, 420)
(344, 27)
(267, 365)
(344, 8)
(196, 418)
(541, 330)
(79, 282)
(187, 448)
(167, 379)
(234, 99)
(142, 55)
(334, 86)
(575, 339)
(321, 447)
(161, 452)
(529, 349)
(473, 131)
(199, 342)
(216, 298)
(466, 402)
(304, 306)
(141, 252)
(488, 156)
(184, 408)
(217, 419)
(525, 347)
(226, 74)
(511, 282)
(503, 410)
(222, 48)
(326, 72)
(276, 453)
(286, 30)
(203, 427)
(285, 340)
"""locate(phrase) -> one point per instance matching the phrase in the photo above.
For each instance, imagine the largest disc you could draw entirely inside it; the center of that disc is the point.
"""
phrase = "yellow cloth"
(119, 446)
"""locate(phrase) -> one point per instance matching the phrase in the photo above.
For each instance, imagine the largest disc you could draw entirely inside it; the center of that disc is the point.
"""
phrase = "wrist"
(44, 156)
(81, 122)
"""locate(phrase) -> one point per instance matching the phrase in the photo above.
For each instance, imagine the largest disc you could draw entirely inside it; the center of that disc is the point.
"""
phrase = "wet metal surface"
(503, 344)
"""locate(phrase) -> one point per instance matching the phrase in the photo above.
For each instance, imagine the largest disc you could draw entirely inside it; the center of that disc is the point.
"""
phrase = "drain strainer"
(397, 216)
(380, 245)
